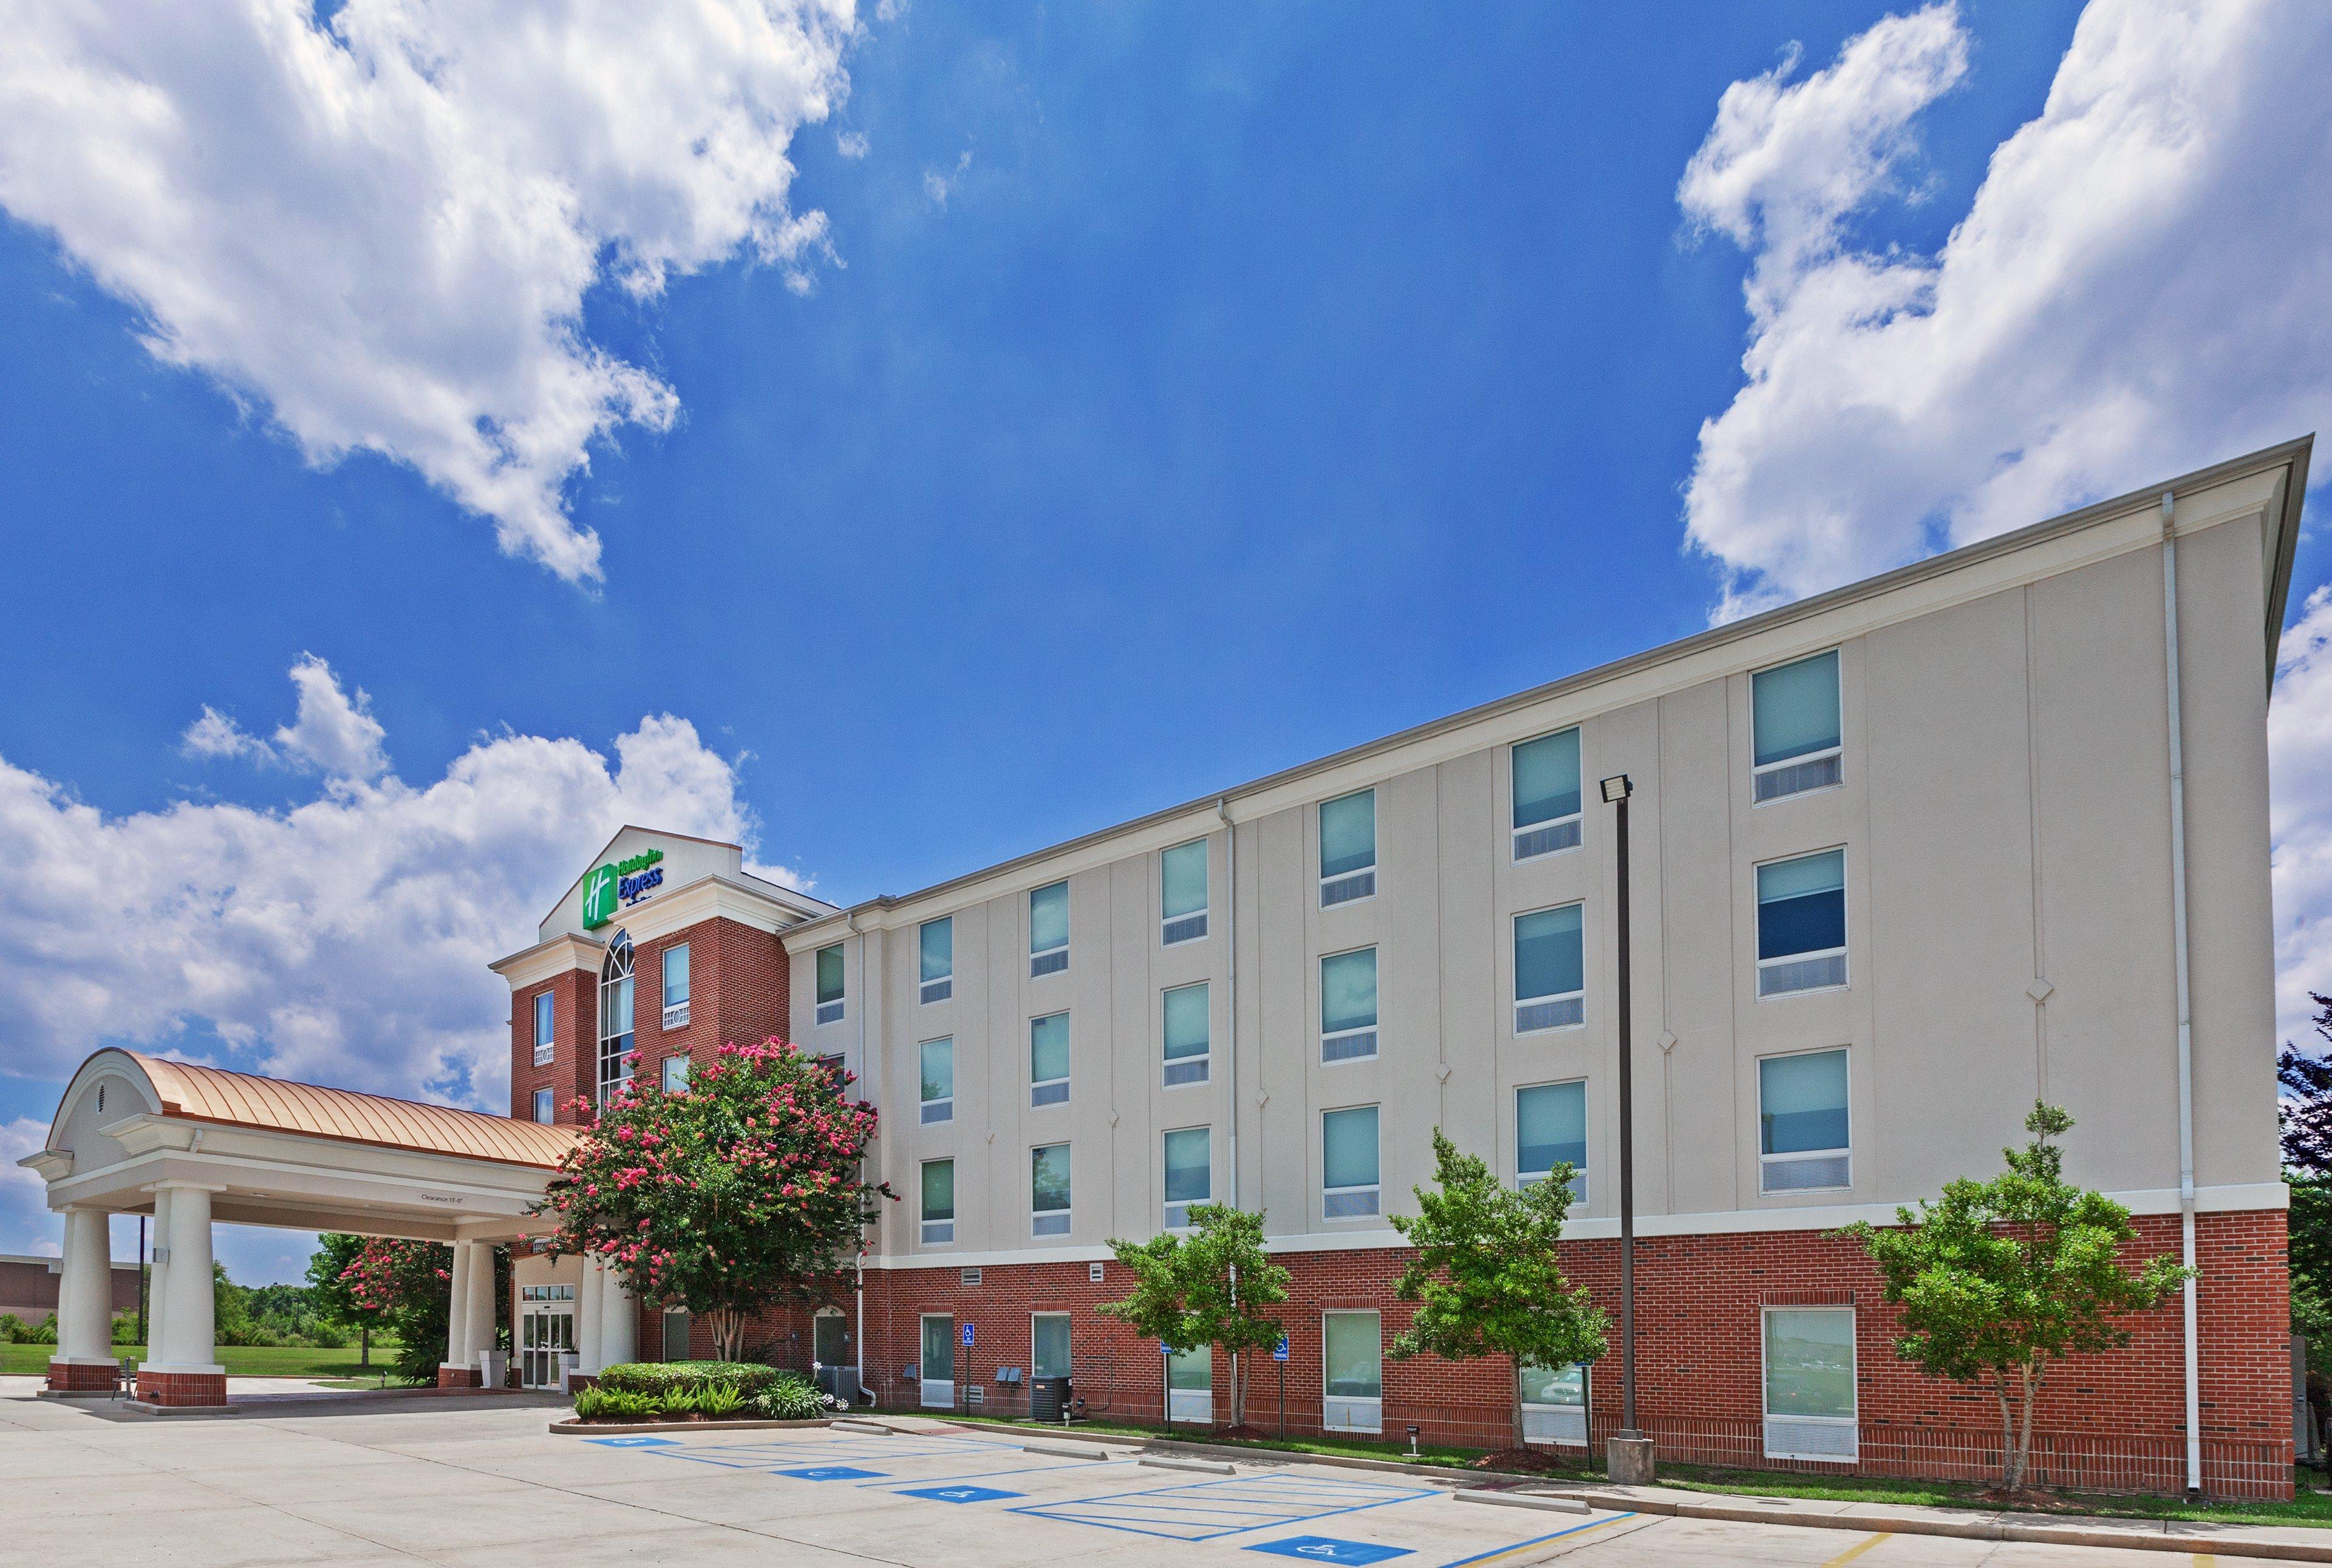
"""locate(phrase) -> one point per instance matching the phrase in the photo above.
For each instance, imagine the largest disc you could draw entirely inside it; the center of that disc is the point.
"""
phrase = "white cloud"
(343, 941)
(333, 732)
(380, 229)
(939, 186)
(2136, 288)
(851, 144)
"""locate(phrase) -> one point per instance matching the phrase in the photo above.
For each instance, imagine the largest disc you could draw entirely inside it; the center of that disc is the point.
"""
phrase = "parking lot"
(460, 1481)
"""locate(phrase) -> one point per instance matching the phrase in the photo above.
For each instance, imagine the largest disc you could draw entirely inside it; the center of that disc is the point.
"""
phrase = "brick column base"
(178, 1391)
(458, 1377)
(80, 1378)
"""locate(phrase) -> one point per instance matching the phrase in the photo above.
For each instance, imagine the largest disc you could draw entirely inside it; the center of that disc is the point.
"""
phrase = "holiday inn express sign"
(625, 882)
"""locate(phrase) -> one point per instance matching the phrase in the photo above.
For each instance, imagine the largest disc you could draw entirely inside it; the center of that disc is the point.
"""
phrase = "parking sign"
(1279, 1350)
(967, 1336)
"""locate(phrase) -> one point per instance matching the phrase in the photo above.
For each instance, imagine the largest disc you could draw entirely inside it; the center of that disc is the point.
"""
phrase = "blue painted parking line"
(633, 1442)
(1082, 1468)
(830, 1473)
(959, 1494)
(1328, 1549)
(1208, 1509)
(1536, 1540)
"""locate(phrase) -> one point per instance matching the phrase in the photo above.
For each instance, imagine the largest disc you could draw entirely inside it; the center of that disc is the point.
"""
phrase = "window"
(546, 1034)
(936, 945)
(675, 1334)
(939, 1202)
(1793, 714)
(829, 1340)
(1551, 1130)
(1348, 1163)
(676, 1074)
(1187, 1037)
(1048, 930)
(1048, 1190)
(1801, 1123)
(1546, 795)
(938, 1364)
(1048, 1060)
(1550, 971)
(1801, 924)
(1555, 1404)
(1351, 1363)
(1348, 1005)
(939, 1081)
(1182, 892)
(830, 984)
(1190, 1384)
(1809, 1412)
(1189, 1174)
(1348, 847)
(676, 987)
(615, 1019)
(544, 1111)
(1048, 1344)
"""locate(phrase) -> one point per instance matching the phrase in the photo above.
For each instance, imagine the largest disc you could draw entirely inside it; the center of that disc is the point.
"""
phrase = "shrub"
(41, 1332)
(599, 1404)
(719, 1399)
(11, 1328)
(748, 1378)
(791, 1397)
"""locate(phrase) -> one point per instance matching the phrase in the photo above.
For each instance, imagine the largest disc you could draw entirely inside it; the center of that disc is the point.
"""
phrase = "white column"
(190, 1315)
(157, 1283)
(586, 1317)
(619, 1320)
(480, 1336)
(457, 1310)
(85, 1289)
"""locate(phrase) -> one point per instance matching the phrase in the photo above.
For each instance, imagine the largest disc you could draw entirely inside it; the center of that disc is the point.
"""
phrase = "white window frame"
(932, 989)
(1194, 923)
(833, 1012)
(1169, 1220)
(1356, 1405)
(1552, 1426)
(1522, 1178)
(1320, 1009)
(1203, 1061)
(544, 1106)
(1576, 821)
(1036, 1084)
(923, 1117)
(924, 1234)
(546, 1028)
(1845, 917)
(1375, 1189)
(923, 1393)
(1037, 1216)
(1513, 954)
(664, 1073)
(615, 1068)
(1041, 957)
(1376, 855)
(1852, 1424)
(674, 1015)
(1068, 1317)
(1766, 1161)
(1758, 771)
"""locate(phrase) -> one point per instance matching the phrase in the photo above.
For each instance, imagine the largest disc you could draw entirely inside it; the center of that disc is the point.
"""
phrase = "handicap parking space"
(955, 1498)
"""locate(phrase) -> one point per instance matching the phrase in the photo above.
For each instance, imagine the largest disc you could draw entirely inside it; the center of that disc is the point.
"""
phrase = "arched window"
(615, 1018)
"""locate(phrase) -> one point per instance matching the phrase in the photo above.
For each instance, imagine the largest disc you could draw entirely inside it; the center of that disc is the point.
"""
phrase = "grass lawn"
(2310, 1507)
(240, 1361)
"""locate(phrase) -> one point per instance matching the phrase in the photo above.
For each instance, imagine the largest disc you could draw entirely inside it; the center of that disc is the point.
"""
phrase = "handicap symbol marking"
(959, 1494)
(967, 1336)
(633, 1442)
(1279, 1350)
(1327, 1549)
(828, 1473)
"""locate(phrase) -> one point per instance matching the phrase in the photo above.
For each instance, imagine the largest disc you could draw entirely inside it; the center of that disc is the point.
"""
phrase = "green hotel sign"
(619, 882)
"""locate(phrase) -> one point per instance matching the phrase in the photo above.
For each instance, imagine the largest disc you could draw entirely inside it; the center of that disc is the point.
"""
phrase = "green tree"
(1486, 1278)
(2001, 1279)
(1215, 1286)
(330, 1296)
(737, 1192)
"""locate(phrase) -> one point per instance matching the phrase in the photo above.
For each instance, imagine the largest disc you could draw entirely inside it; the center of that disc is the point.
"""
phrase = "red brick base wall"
(72, 1378)
(181, 1390)
(2113, 1421)
(459, 1377)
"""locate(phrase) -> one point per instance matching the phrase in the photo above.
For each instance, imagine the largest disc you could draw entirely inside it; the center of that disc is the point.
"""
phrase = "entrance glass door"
(938, 1363)
(1190, 1384)
(546, 1326)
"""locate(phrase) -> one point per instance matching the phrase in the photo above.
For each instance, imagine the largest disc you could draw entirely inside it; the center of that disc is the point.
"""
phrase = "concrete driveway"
(358, 1481)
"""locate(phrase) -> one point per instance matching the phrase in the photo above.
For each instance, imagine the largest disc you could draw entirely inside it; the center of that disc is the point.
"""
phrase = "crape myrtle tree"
(331, 1292)
(1999, 1280)
(1484, 1276)
(405, 1286)
(739, 1193)
(1215, 1286)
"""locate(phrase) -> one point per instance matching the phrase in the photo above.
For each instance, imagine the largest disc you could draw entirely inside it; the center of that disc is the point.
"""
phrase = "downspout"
(858, 1345)
(2186, 1006)
(1230, 948)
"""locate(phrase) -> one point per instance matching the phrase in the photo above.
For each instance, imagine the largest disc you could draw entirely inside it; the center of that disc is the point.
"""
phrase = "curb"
(1463, 1480)
(576, 1426)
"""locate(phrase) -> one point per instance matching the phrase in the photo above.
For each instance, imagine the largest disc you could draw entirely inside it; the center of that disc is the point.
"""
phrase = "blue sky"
(1171, 398)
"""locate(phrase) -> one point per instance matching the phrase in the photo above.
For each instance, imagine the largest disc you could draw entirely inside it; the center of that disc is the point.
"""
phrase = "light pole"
(1628, 1455)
